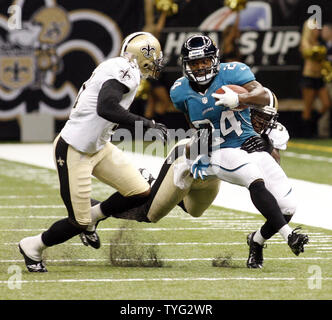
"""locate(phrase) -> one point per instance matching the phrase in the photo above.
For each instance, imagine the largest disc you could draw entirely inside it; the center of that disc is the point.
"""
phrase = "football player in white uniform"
(83, 146)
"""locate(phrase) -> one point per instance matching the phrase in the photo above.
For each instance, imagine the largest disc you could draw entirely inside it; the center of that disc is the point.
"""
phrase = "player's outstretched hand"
(229, 99)
(199, 167)
(161, 131)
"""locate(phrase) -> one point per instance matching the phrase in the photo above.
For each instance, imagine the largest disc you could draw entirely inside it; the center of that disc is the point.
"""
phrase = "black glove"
(269, 146)
(257, 144)
(160, 131)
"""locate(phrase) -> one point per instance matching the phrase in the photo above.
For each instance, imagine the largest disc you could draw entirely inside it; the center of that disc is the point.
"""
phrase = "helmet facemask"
(151, 69)
(202, 76)
(199, 47)
(263, 122)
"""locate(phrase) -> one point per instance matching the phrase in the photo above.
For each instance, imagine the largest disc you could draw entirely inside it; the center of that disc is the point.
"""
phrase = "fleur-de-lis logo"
(60, 162)
(147, 51)
(125, 74)
(34, 57)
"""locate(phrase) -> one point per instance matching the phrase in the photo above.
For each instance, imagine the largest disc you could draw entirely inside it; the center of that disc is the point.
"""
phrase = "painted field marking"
(157, 244)
(164, 259)
(306, 146)
(305, 156)
(33, 207)
(23, 197)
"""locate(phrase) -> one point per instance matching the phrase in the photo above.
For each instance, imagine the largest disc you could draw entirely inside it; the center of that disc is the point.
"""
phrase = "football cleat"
(32, 265)
(255, 259)
(296, 241)
(147, 176)
(90, 238)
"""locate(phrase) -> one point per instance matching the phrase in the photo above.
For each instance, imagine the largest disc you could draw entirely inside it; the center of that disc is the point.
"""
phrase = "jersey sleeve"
(177, 95)
(237, 73)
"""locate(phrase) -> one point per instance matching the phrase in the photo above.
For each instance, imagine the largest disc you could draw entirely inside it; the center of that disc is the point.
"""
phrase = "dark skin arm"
(276, 155)
(256, 95)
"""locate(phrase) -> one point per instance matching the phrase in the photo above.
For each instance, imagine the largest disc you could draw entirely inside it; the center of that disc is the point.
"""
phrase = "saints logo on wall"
(43, 63)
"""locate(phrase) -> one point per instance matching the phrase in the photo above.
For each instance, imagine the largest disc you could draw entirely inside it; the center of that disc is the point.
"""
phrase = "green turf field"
(180, 257)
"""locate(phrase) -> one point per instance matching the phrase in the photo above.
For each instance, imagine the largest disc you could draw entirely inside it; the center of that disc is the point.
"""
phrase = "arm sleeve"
(109, 108)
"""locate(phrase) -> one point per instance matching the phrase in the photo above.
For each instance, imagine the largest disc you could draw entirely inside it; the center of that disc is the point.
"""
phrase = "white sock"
(40, 242)
(258, 238)
(33, 247)
(285, 231)
(96, 215)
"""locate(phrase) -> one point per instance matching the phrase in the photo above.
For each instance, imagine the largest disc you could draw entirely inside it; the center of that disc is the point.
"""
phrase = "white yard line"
(306, 156)
(314, 206)
(48, 206)
(161, 280)
(157, 244)
(165, 259)
(316, 246)
(118, 229)
(14, 196)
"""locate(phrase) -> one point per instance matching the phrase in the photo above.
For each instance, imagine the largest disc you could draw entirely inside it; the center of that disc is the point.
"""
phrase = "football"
(237, 89)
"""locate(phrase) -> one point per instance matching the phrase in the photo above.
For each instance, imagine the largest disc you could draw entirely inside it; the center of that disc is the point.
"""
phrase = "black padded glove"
(160, 130)
(269, 145)
(257, 144)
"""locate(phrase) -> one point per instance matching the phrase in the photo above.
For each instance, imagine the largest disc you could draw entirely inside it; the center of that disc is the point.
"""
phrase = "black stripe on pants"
(176, 153)
(61, 151)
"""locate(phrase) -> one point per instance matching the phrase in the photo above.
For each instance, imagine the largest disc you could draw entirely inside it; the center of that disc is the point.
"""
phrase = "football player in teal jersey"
(228, 148)
(229, 155)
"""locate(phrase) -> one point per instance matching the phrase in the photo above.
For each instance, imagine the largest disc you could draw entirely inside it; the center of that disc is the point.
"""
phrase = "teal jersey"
(232, 127)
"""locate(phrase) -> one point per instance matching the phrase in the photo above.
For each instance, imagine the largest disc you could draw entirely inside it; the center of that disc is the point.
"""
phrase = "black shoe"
(32, 266)
(90, 238)
(255, 259)
(296, 241)
(147, 176)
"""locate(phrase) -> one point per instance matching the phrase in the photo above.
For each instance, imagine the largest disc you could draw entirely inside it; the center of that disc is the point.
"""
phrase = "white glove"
(229, 99)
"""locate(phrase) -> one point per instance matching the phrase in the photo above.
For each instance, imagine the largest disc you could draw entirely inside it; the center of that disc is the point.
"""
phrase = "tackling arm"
(276, 155)
(109, 108)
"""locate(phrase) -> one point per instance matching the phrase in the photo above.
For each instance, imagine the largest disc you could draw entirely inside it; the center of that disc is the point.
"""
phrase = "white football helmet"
(144, 49)
(265, 118)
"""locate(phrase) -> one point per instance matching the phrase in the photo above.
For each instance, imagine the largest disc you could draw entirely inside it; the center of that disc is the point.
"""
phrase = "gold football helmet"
(145, 50)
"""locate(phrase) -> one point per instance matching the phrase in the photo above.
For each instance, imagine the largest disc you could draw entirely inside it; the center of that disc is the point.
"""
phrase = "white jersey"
(85, 130)
(279, 137)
